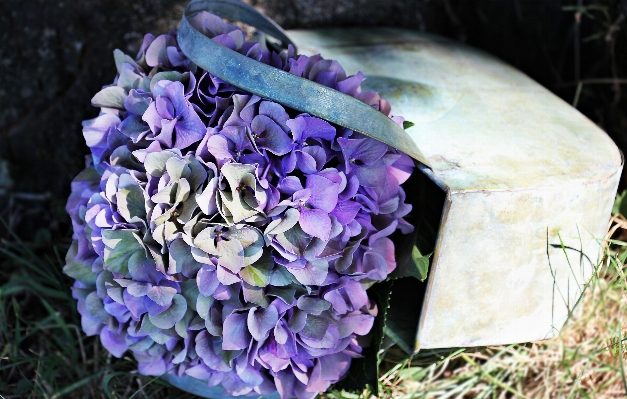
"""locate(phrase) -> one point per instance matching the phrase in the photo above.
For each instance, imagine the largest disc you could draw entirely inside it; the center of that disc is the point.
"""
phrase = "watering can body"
(528, 183)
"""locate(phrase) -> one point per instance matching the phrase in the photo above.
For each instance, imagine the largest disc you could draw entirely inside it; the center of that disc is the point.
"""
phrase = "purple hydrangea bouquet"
(224, 238)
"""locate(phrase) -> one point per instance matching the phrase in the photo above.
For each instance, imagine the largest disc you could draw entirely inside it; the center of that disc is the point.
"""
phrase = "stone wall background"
(54, 55)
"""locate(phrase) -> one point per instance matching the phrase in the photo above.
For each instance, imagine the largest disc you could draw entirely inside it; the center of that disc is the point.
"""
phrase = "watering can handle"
(280, 86)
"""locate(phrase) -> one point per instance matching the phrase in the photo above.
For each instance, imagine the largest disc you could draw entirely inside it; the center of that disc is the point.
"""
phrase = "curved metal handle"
(280, 86)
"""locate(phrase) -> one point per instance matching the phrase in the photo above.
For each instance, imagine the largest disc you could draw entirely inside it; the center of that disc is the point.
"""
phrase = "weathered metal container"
(529, 183)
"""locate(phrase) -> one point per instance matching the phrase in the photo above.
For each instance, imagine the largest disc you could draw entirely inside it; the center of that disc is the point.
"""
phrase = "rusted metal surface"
(530, 183)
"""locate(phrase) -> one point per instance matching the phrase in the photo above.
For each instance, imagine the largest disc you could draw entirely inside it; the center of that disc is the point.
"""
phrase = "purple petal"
(134, 304)
(114, 343)
(314, 273)
(189, 130)
(347, 296)
(297, 321)
(333, 367)
(166, 136)
(261, 321)
(304, 127)
(367, 150)
(306, 162)
(281, 333)
(205, 347)
(152, 307)
(288, 163)
(270, 135)
(137, 103)
(152, 117)
(153, 367)
(175, 92)
(207, 280)
(156, 53)
(276, 112)
(359, 324)
(218, 146)
(236, 335)
(329, 340)
(315, 222)
(227, 277)
(351, 85)
(324, 192)
(371, 176)
(375, 266)
(139, 289)
(285, 382)
(289, 185)
(270, 356)
(345, 211)
(164, 106)
(199, 371)
(402, 168)
(316, 382)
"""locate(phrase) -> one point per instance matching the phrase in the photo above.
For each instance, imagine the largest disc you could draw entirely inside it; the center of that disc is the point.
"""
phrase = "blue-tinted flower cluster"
(222, 236)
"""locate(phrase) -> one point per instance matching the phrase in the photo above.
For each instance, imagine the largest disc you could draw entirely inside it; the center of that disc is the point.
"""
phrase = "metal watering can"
(522, 184)
(529, 183)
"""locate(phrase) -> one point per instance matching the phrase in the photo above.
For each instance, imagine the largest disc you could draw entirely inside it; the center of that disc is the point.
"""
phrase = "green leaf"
(189, 290)
(417, 266)
(78, 270)
(421, 262)
(404, 313)
(181, 259)
(182, 325)
(408, 124)
(120, 245)
(256, 295)
(620, 205)
(285, 293)
(81, 272)
(280, 276)
(110, 97)
(258, 274)
(131, 202)
(365, 371)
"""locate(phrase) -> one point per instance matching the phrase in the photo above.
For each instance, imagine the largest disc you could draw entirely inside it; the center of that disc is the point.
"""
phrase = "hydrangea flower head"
(222, 236)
